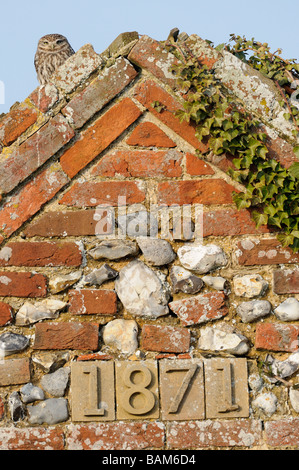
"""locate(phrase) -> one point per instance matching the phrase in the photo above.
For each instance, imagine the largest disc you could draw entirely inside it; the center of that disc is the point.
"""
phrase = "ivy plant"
(271, 191)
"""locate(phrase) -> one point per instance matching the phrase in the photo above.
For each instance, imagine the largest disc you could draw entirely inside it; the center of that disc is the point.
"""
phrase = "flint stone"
(121, 335)
(50, 411)
(45, 309)
(11, 343)
(250, 285)
(223, 338)
(55, 384)
(202, 258)
(30, 393)
(266, 402)
(114, 249)
(60, 283)
(142, 291)
(138, 224)
(287, 367)
(253, 310)
(184, 281)
(288, 310)
(49, 362)
(98, 276)
(16, 408)
(156, 251)
(216, 282)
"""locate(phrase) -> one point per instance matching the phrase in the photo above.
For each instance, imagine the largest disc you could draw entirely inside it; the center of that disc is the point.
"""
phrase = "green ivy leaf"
(294, 169)
(259, 219)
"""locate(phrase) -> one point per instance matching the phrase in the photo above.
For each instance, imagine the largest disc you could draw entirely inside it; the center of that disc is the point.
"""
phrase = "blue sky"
(99, 22)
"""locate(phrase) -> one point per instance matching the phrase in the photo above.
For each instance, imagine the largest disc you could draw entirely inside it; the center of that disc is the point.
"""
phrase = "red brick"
(165, 339)
(286, 281)
(140, 164)
(44, 97)
(199, 48)
(92, 301)
(14, 371)
(16, 122)
(59, 224)
(98, 356)
(150, 55)
(102, 192)
(6, 314)
(282, 432)
(97, 137)
(200, 308)
(207, 191)
(34, 152)
(102, 90)
(277, 337)
(22, 284)
(197, 167)
(31, 198)
(147, 134)
(280, 150)
(41, 254)
(2, 410)
(149, 92)
(214, 433)
(54, 335)
(116, 436)
(267, 251)
(230, 221)
(37, 438)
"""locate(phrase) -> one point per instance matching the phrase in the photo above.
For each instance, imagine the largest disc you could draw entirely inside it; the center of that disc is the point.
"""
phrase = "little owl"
(52, 51)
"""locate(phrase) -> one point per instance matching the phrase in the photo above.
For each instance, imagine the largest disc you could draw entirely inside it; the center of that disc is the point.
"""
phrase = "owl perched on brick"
(52, 51)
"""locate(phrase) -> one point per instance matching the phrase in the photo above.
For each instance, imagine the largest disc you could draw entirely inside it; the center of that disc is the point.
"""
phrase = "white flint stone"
(202, 258)
(45, 309)
(287, 367)
(30, 393)
(250, 285)
(11, 343)
(114, 249)
(288, 310)
(223, 338)
(60, 283)
(294, 399)
(121, 335)
(143, 291)
(266, 402)
(253, 310)
(156, 250)
(55, 384)
(255, 382)
(50, 411)
(217, 282)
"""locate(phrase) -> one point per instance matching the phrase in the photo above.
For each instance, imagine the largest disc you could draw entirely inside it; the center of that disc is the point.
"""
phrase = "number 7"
(176, 401)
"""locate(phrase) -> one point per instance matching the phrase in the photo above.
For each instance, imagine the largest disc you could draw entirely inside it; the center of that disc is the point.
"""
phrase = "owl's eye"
(46, 42)
(59, 41)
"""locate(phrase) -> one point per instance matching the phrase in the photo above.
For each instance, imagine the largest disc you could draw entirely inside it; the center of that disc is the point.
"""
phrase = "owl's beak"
(53, 46)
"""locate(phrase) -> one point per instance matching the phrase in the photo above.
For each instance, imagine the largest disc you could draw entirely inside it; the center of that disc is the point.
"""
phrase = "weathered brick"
(266, 251)
(282, 432)
(151, 55)
(41, 254)
(201, 49)
(214, 433)
(93, 98)
(16, 122)
(34, 152)
(103, 192)
(277, 337)
(14, 371)
(140, 164)
(6, 314)
(76, 69)
(279, 149)
(200, 308)
(44, 97)
(136, 435)
(92, 301)
(30, 198)
(22, 284)
(162, 338)
(207, 191)
(37, 438)
(54, 335)
(147, 134)
(60, 224)
(229, 221)
(286, 281)
(98, 136)
(149, 92)
(197, 167)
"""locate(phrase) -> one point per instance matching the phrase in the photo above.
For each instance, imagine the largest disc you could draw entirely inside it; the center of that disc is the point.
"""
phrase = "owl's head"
(52, 43)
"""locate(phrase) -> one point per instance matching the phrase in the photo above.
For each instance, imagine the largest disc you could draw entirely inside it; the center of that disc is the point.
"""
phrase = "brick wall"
(75, 155)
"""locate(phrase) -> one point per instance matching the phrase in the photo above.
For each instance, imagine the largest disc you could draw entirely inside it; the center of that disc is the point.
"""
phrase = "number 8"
(140, 388)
